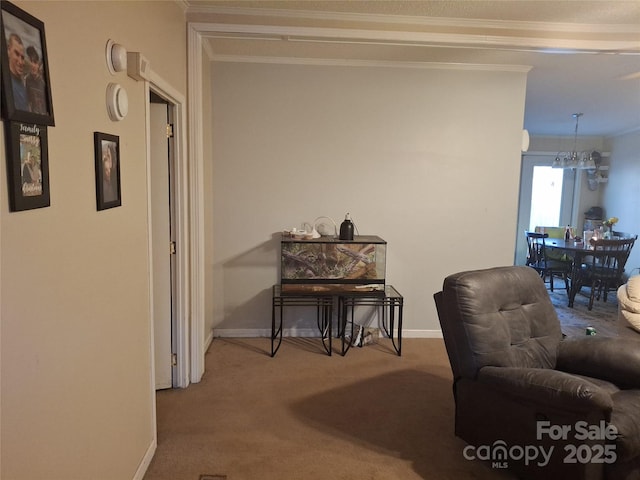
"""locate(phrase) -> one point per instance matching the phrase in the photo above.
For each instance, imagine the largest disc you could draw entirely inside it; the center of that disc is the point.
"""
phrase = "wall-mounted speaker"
(116, 57)
(117, 102)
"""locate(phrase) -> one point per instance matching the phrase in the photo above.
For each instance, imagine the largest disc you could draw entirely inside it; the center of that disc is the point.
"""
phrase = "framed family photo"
(107, 158)
(27, 166)
(26, 87)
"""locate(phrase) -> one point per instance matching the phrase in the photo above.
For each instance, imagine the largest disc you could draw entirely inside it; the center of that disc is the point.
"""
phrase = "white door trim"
(196, 190)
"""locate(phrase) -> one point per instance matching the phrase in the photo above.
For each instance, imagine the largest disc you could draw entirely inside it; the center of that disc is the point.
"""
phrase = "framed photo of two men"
(26, 89)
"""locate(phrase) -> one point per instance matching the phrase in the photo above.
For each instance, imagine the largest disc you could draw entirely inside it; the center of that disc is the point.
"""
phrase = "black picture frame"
(27, 166)
(26, 97)
(107, 161)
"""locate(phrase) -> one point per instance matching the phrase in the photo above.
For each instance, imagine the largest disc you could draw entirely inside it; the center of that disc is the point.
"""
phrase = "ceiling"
(584, 56)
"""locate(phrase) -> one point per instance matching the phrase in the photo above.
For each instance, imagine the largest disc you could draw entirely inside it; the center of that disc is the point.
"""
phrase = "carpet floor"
(304, 415)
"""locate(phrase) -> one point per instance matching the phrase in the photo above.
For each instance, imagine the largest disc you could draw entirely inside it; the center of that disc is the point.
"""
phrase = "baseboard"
(207, 341)
(304, 332)
(422, 333)
(146, 461)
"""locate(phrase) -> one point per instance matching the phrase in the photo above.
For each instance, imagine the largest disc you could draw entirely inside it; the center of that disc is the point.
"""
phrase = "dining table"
(577, 251)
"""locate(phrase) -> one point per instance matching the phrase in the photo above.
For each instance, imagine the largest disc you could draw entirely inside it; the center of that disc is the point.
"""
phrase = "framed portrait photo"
(26, 87)
(107, 157)
(27, 166)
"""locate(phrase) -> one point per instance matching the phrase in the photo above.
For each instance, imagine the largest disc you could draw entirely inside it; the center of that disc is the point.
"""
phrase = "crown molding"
(208, 50)
(410, 38)
(421, 21)
(184, 6)
(630, 131)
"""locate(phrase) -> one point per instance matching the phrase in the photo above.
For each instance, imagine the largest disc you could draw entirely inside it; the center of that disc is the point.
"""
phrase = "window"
(546, 196)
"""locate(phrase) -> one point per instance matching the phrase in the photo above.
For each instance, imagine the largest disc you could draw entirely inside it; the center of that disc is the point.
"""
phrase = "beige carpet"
(305, 415)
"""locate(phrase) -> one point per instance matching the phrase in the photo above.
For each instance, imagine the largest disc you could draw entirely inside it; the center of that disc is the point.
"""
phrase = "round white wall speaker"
(116, 57)
(117, 102)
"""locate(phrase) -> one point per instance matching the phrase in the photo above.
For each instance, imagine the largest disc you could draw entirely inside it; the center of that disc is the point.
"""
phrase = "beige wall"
(620, 193)
(429, 159)
(76, 396)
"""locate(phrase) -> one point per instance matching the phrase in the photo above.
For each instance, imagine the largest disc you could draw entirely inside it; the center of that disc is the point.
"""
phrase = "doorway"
(175, 196)
(546, 198)
(163, 245)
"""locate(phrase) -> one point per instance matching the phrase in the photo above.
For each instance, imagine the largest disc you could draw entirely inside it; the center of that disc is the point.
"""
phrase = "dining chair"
(603, 270)
(624, 235)
(538, 259)
(552, 232)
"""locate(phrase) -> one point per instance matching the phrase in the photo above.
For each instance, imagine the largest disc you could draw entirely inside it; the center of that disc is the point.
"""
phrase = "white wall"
(620, 193)
(428, 159)
(77, 400)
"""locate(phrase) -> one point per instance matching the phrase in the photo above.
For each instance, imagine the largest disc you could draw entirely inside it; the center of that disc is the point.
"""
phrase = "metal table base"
(389, 300)
(324, 313)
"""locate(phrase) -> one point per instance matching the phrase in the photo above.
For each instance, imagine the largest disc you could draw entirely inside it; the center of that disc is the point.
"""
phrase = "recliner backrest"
(501, 316)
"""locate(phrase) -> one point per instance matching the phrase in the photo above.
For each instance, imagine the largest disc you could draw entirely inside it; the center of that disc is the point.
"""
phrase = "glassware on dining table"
(570, 232)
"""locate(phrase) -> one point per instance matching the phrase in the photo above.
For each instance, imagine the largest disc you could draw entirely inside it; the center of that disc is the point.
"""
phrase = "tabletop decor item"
(609, 223)
(346, 228)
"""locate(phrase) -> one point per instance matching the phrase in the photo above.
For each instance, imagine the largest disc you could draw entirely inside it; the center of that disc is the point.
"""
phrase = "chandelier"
(575, 159)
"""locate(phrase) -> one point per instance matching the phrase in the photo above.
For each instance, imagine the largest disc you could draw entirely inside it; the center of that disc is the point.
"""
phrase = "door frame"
(195, 50)
(177, 108)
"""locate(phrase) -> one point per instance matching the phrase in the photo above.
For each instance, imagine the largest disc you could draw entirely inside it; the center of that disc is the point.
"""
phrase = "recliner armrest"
(616, 360)
(551, 387)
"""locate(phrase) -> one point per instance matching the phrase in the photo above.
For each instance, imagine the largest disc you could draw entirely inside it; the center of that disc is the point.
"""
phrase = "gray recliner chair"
(527, 399)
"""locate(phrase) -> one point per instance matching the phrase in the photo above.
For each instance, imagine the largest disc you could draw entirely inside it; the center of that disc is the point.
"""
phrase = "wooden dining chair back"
(604, 269)
(552, 232)
(538, 259)
(622, 235)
